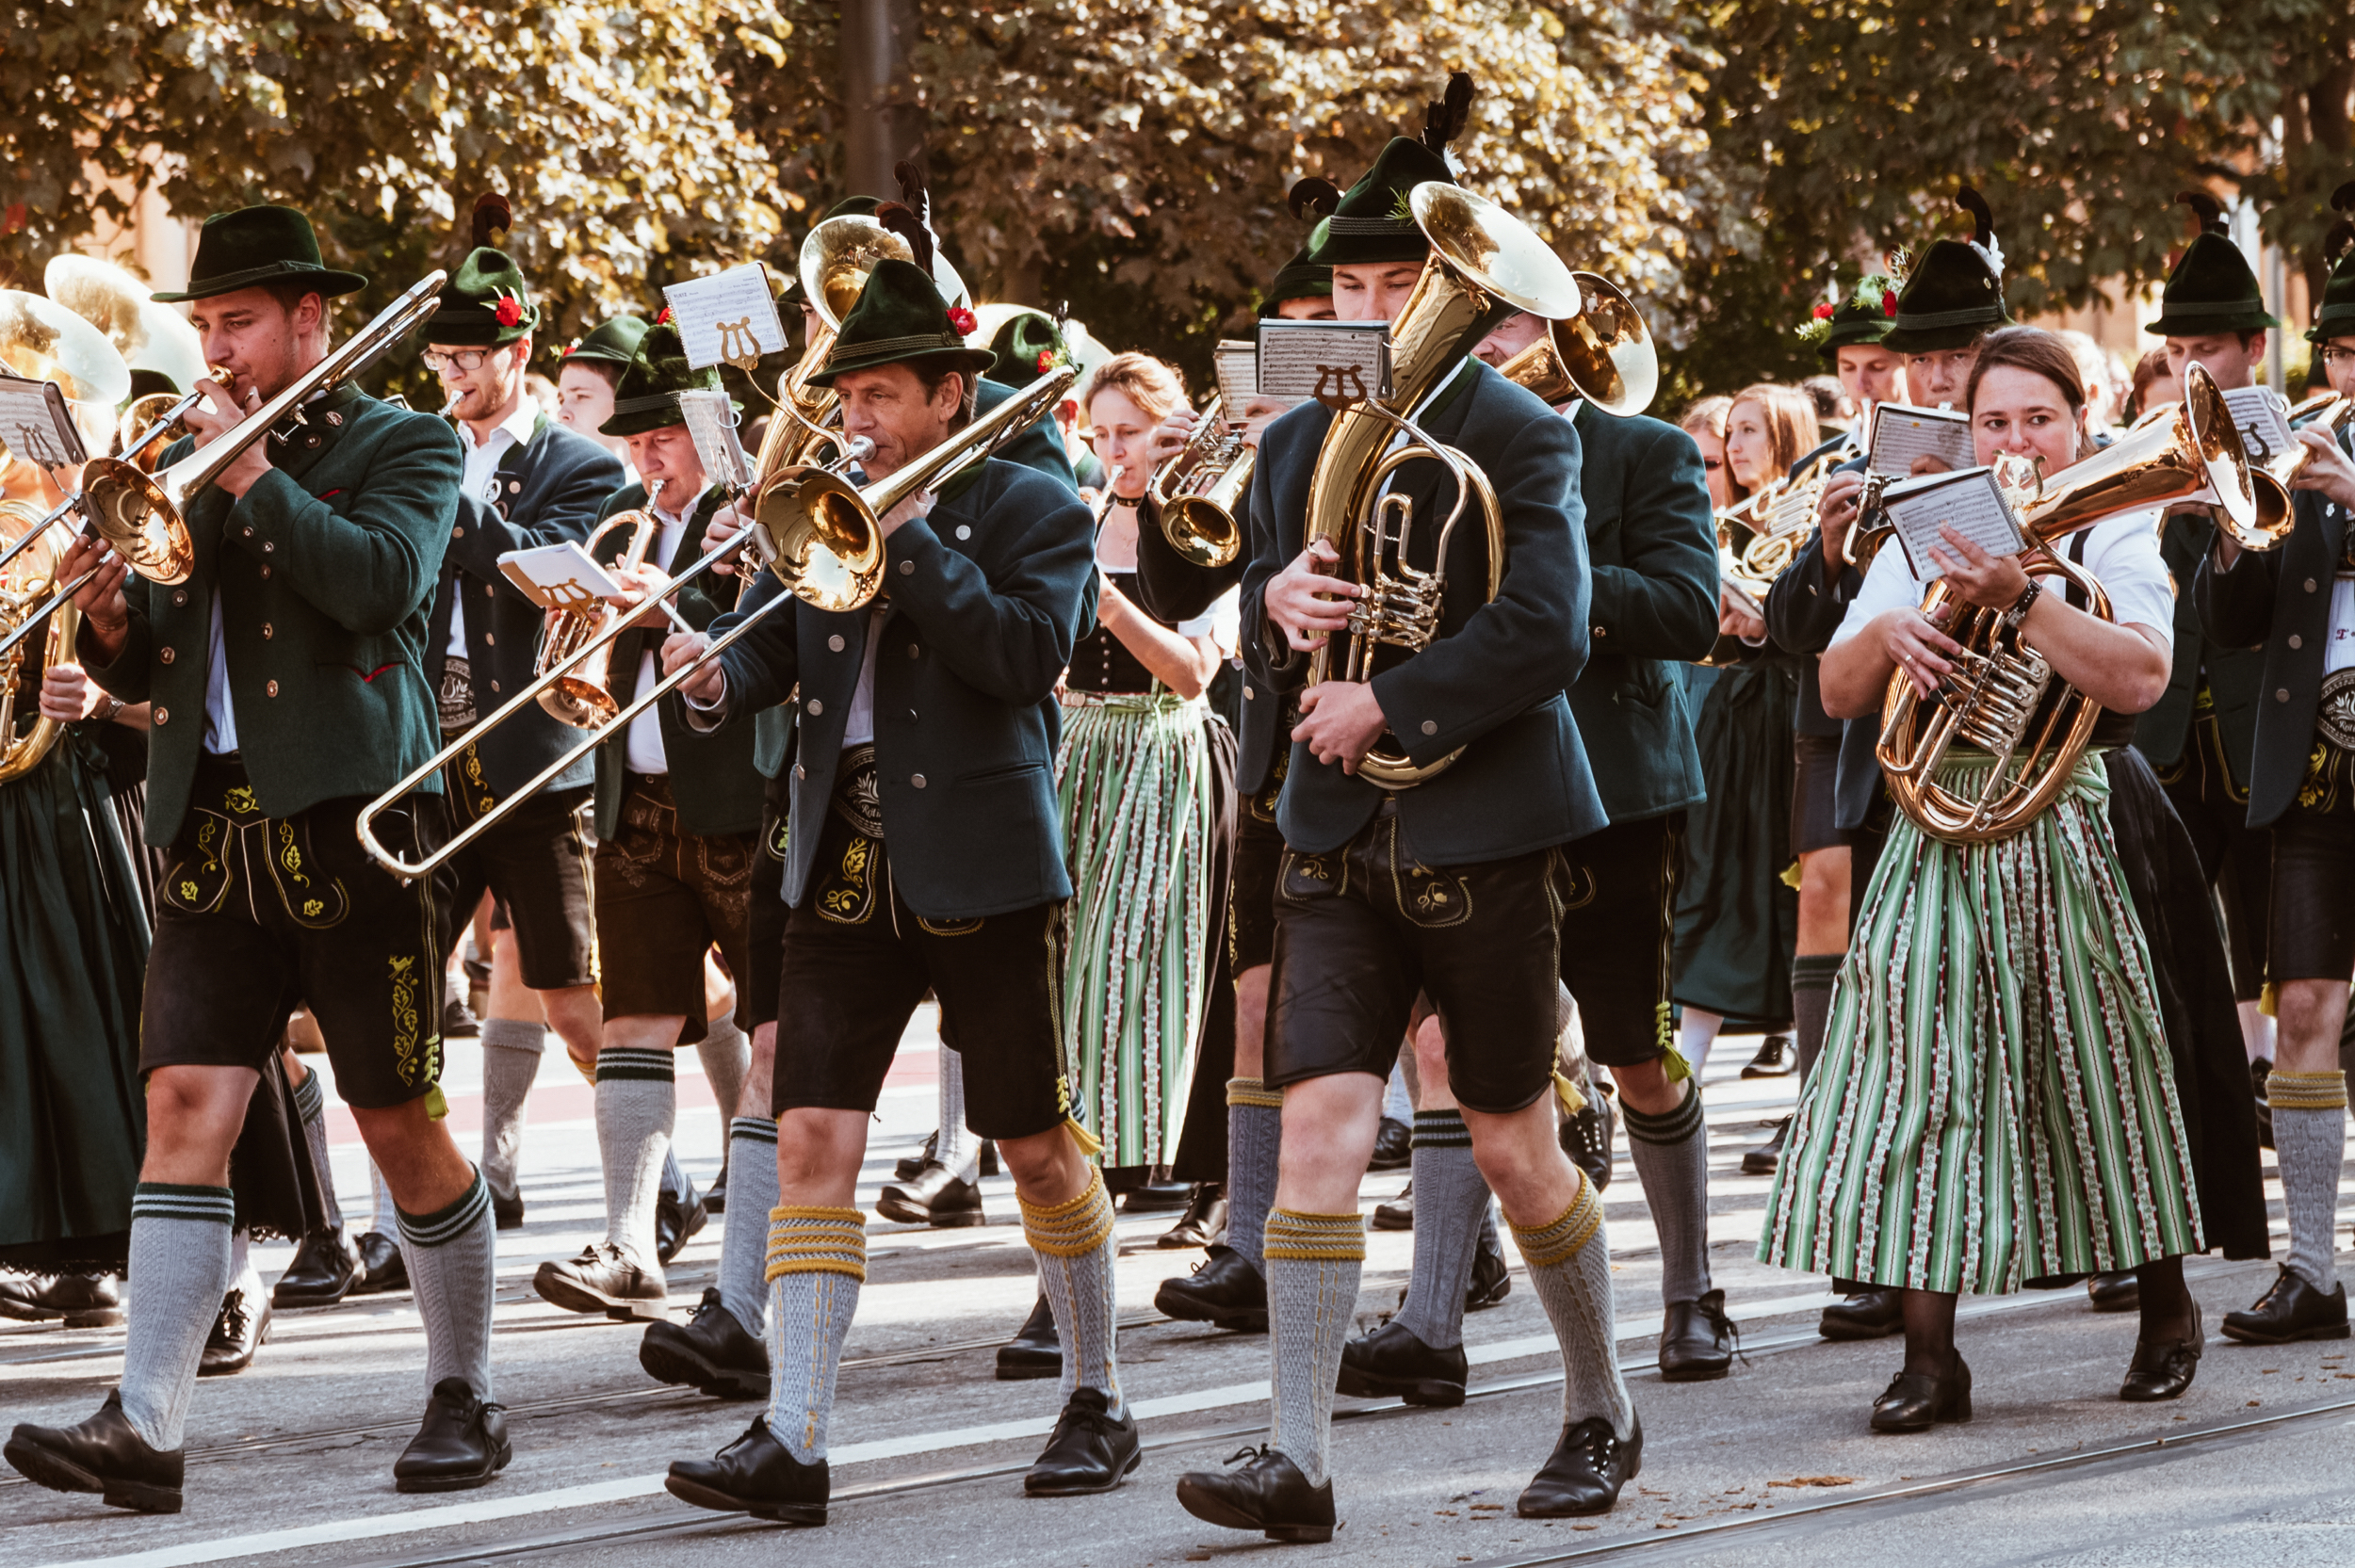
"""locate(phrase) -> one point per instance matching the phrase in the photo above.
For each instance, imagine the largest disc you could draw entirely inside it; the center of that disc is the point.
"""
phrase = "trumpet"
(818, 534)
(143, 516)
(1201, 488)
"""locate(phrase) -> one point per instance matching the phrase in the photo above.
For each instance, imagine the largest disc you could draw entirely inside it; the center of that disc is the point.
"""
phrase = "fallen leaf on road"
(1817, 1480)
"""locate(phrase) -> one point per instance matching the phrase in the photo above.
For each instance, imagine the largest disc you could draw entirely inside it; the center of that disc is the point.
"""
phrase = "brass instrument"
(1604, 354)
(1758, 536)
(1200, 490)
(1996, 692)
(582, 694)
(2280, 474)
(1482, 260)
(143, 516)
(164, 417)
(820, 535)
(23, 592)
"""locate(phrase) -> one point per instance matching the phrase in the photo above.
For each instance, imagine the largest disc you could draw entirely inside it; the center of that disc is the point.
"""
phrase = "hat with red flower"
(1863, 316)
(484, 304)
(1028, 346)
(901, 317)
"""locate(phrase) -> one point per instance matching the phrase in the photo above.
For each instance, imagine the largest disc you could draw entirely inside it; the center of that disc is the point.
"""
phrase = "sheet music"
(36, 425)
(558, 576)
(1902, 433)
(2265, 430)
(1968, 502)
(1337, 363)
(1236, 361)
(710, 419)
(727, 318)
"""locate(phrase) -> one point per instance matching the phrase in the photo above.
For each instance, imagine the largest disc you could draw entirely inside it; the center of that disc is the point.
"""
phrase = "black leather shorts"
(664, 899)
(1361, 930)
(1258, 860)
(537, 861)
(1619, 933)
(764, 924)
(2310, 934)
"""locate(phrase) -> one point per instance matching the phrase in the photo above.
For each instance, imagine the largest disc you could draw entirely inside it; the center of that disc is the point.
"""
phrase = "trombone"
(143, 517)
(820, 535)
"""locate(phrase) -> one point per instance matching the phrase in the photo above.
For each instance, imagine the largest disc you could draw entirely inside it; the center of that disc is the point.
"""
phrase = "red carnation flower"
(1889, 303)
(1822, 311)
(1046, 361)
(509, 311)
(663, 319)
(568, 352)
(961, 319)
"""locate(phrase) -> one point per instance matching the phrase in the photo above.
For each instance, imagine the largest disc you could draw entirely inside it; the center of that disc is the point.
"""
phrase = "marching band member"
(924, 851)
(1449, 888)
(317, 549)
(1920, 1160)
(586, 378)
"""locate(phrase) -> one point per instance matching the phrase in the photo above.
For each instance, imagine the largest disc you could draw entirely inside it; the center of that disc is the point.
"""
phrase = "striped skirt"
(1140, 808)
(1994, 1104)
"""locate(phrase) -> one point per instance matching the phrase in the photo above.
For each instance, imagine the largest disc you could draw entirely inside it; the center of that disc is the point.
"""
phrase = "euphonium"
(23, 589)
(581, 693)
(1200, 490)
(1998, 691)
(1483, 261)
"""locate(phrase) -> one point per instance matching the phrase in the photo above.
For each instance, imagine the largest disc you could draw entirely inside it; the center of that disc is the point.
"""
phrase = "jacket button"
(2281, 694)
(488, 639)
(2310, 584)
(911, 716)
(2296, 641)
(494, 685)
(835, 642)
(163, 716)
(268, 631)
(1595, 632)
(311, 441)
(914, 651)
(515, 487)
(458, 533)
(269, 688)
(816, 706)
(964, 530)
(487, 591)
(268, 546)
(168, 655)
(266, 572)
(179, 597)
(1249, 695)
(248, 533)
(918, 781)
(1431, 726)
(907, 568)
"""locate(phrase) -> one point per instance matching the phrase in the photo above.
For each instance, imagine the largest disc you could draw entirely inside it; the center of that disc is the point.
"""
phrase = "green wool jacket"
(326, 569)
(712, 776)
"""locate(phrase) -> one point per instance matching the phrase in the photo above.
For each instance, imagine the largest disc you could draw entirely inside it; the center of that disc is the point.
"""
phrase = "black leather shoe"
(1393, 1147)
(1399, 1213)
(1392, 1362)
(1034, 1352)
(460, 1444)
(906, 1168)
(936, 1197)
(676, 1219)
(1865, 1315)
(1589, 1467)
(1268, 1494)
(1092, 1449)
(84, 1301)
(381, 1265)
(603, 1279)
(1491, 1276)
(238, 1332)
(1915, 1402)
(324, 1269)
(2163, 1368)
(2119, 1292)
(1204, 1220)
(102, 1455)
(1588, 1138)
(1766, 1159)
(458, 1020)
(711, 1351)
(2291, 1310)
(755, 1475)
(1775, 1059)
(507, 1214)
(1157, 1198)
(1223, 1289)
(1697, 1340)
(716, 1195)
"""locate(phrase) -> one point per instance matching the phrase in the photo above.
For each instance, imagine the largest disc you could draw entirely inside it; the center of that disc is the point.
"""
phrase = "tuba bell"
(1997, 694)
(1200, 490)
(1604, 354)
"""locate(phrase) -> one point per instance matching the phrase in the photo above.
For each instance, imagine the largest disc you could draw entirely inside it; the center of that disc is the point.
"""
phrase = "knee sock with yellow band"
(1569, 1265)
(2309, 1147)
(1313, 1265)
(817, 1262)
(1073, 1243)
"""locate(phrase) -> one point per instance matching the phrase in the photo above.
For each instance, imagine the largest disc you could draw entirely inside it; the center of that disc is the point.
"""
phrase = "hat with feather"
(2213, 289)
(1954, 295)
(484, 304)
(2337, 318)
(1371, 223)
(646, 397)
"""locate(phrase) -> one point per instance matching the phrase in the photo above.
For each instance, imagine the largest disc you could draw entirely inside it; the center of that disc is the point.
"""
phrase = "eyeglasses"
(465, 362)
(2331, 358)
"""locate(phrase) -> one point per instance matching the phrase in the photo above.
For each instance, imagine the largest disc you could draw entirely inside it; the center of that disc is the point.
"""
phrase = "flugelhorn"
(2279, 475)
(582, 694)
(1200, 490)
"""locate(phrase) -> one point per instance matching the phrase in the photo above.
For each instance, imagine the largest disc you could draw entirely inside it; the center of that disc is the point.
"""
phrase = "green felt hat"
(484, 304)
(1866, 315)
(259, 245)
(1027, 347)
(613, 343)
(1298, 279)
(900, 317)
(646, 397)
(2336, 316)
(2213, 289)
(1372, 224)
(1954, 296)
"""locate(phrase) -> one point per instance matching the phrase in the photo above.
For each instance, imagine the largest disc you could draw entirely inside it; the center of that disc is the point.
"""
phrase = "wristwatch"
(2019, 611)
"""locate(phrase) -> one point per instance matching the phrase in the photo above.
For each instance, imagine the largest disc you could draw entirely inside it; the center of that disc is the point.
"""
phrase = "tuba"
(1997, 693)
(1604, 354)
(1200, 491)
(23, 589)
(1484, 262)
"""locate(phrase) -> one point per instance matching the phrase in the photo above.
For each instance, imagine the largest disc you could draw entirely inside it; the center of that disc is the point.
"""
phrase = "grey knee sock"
(954, 1147)
(1569, 1266)
(1313, 1265)
(637, 1102)
(1811, 1005)
(744, 1235)
(1671, 1156)
(817, 1262)
(452, 1255)
(310, 1097)
(511, 1049)
(2309, 1148)
(383, 1215)
(179, 1272)
(1255, 1137)
(1450, 1201)
(726, 1052)
(1073, 1244)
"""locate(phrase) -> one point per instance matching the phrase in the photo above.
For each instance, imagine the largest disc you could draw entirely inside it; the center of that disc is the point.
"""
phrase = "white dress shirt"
(642, 749)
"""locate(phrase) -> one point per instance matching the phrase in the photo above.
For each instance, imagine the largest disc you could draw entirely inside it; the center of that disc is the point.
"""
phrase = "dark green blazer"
(1496, 680)
(1651, 550)
(2233, 673)
(987, 594)
(326, 568)
(712, 777)
(548, 489)
(1804, 609)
